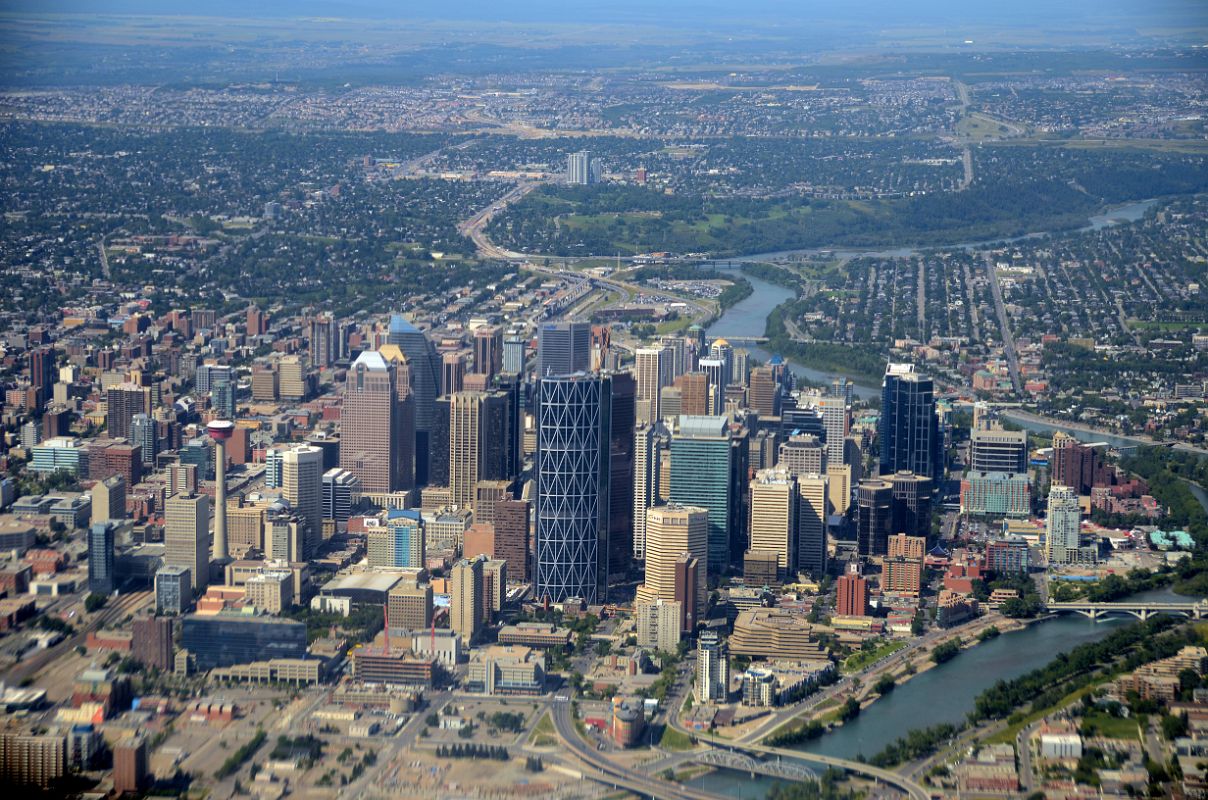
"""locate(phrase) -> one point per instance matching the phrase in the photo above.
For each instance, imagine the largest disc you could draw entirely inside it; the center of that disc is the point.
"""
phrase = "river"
(942, 694)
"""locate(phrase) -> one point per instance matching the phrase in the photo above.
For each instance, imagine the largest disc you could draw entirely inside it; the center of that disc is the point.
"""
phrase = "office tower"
(494, 587)
(839, 477)
(42, 369)
(874, 517)
(1076, 465)
(765, 392)
(173, 590)
(341, 491)
(911, 504)
(144, 433)
(1063, 526)
(563, 348)
(465, 599)
(302, 486)
(130, 765)
(322, 334)
(512, 537)
(100, 558)
(742, 367)
(466, 437)
(220, 431)
(151, 642)
(909, 430)
(513, 355)
(231, 637)
(648, 442)
(401, 543)
(620, 485)
(653, 367)
(671, 402)
(206, 375)
(712, 668)
(409, 606)
(694, 394)
(109, 499)
(836, 421)
(438, 438)
(803, 453)
(774, 508)
(425, 383)
(452, 373)
(852, 600)
(370, 424)
(999, 451)
(572, 487)
(56, 421)
(690, 590)
(716, 372)
(601, 349)
(721, 350)
(404, 441)
(264, 383)
(122, 403)
(488, 350)
(578, 168)
(486, 495)
(812, 513)
(701, 461)
(673, 531)
(508, 422)
(292, 381)
(187, 536)
(284, 534)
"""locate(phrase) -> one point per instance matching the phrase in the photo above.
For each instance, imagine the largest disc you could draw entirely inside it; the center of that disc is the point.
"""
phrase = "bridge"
(790, 770)
(746, 339)
(1140, 610)
(898, 781)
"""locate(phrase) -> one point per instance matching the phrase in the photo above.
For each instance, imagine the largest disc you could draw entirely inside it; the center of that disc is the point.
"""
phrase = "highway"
(1004, 324)
(475, 226)
(612, 773)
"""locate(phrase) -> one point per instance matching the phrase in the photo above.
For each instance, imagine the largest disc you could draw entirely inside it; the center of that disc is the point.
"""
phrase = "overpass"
(1140, 610)
(740, 762)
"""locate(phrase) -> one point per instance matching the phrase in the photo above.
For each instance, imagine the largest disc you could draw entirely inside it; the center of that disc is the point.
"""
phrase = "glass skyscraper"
(701, 476)
(909, 430)
(572, 497)
(425, 380)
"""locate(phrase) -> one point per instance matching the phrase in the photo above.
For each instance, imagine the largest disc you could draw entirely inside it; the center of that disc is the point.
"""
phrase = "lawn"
(543, 734)
(674, 740)
(1113, 727)
(858, 661)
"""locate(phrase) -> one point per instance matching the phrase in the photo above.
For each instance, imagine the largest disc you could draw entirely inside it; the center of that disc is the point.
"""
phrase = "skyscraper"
(512, 537)
(620, 485)
(187, 536)
(996, 450)
(322, 333)
(721, 350)
(563, 348)
(701, 476)
(401, 543)
(480, 442)
(836, 421)
(803, 453)
(122, 403)
(911, 504)
(774, 508)
(1063, 526)
(302, 486)
(648, 441)
(465, 598)
(852, 593)
(369, 424)
(812, 513)
(514, 348)
(144, 432)
(578, 168)
(653, 368)
(712, 668)
(100, 558)
(874, 517)
(572, 487)
(765, 392)
(488, 350)
(909, 429)
(673, 531)
(341, 489)
(452, 373)
(717, 373)
(425, 380)
(109, 499)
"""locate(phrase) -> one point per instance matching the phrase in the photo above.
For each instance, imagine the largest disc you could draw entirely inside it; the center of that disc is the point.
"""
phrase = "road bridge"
(1140, 610)
(740, 762)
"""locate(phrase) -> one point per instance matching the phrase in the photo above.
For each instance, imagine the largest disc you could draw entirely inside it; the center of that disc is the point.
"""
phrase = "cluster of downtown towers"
(398, 432)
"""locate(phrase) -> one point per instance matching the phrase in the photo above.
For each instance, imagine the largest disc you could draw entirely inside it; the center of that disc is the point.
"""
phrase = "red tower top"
(220, 430)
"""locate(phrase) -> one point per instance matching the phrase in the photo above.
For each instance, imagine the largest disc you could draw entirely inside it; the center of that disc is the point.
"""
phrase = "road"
(1004, 324)
(475, 226)
(615, 774)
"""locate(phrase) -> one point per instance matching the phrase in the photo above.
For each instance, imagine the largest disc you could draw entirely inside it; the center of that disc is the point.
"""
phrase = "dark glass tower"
(909, 431)
(425, 376)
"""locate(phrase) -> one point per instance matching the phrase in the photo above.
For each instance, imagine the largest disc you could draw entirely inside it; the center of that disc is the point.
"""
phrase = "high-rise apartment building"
(130, 765)
(712, 668)
(852, 593)
(122, 403)
(701, 461)
(1063, 526)
(400, 543)
(572, 496)
(323, 334)
(997, 450)
(578, 168)
(187, 536)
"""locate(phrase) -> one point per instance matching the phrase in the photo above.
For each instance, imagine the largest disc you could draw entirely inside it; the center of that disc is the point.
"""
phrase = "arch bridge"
(1141, 610)
(745, 763)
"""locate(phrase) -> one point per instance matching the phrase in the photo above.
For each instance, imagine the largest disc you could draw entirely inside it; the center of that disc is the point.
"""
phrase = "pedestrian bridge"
(744, 763)
(1141, 611)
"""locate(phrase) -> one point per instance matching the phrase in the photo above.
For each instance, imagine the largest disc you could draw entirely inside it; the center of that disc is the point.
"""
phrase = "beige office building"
(465, 599)
(773, 527)
(671, 532)
(187, 536)
(302, 486)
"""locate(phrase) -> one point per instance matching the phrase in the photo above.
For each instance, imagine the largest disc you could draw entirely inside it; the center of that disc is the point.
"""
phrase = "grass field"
(1113, 727)
(674, 740)
(857, 661)
(543, 733)
(979, 127)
